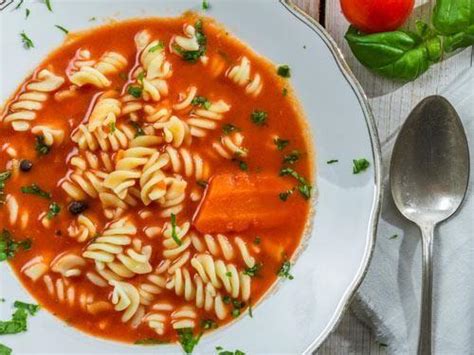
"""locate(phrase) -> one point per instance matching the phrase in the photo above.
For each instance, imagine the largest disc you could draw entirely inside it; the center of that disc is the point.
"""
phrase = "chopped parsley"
(257, 240)
(250, 309)
(286, 194)
(150, 341)
(53, 211)
(174, 235)
(284, 92)
(9, 247)
(284, 71)
(284, 270)
(40, 146)
(48, 5)
(19, 4)
(140, 77)
(220, 351)
(332, 161)
(18, 323)
(27, 13)
(228, 274)
(360, 165)
(112, 127)
(202, 183)
(205, 5)
(62, 29)
(207, 324)
(281, 143)
(201, 101)
(228, 128)
(5, 350)
(157, 47)
(304, 187)
(292, 158)
(4, 176)
(395, 236)
(138, 129)
(34, 189)
(92, 19)
(187, 339)
(241, 164)
(193, 56)
(259, 117)
(254, 270)
(135, 91)
(27, 42)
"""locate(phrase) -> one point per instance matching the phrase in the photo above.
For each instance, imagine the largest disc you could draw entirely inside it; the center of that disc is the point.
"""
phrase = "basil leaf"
(453, 16)
(5, 350)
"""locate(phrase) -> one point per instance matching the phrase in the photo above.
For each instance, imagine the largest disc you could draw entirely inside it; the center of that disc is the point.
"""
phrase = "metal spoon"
(429, 175)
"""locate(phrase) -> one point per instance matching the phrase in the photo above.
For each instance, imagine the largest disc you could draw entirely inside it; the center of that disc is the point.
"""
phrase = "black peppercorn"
(77, 207)
(26, 165)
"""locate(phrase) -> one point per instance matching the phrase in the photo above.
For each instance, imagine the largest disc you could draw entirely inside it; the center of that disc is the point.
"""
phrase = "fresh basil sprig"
(405, 55)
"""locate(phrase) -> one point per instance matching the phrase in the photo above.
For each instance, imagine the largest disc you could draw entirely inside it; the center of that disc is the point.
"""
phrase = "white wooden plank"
(311, 7)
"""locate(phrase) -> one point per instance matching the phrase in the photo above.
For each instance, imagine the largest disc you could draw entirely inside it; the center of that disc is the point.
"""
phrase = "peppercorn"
(26, 165)
(77, 207)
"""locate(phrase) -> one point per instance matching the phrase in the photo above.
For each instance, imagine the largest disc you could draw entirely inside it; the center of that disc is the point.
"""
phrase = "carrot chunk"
(236, 202)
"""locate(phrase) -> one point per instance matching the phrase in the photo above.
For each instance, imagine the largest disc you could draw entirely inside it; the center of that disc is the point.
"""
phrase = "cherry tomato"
(377, 15)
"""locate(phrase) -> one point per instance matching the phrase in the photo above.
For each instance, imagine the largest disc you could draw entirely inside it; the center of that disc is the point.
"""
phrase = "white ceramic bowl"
(299, 314)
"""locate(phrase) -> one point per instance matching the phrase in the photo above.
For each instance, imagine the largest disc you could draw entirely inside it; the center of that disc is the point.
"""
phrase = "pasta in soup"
(161, 171)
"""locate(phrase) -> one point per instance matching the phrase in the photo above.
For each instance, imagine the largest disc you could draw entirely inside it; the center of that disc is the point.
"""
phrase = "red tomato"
(377, 15)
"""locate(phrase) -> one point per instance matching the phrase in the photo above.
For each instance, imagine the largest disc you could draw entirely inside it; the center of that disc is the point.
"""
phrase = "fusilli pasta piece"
(184, 317)
(205, 119)
(230, 146)
(188, 42)
(240, 74)
(68, 265)
(64, 292)
(82, 229)
(88, 160)
(50, 135)
(100, 140)
(126, 298)
(186, 99)
(35, 268)
(24, 108)
(159, 317)
(188, 164)
(104, 114)
(175, 131)
(82, 184)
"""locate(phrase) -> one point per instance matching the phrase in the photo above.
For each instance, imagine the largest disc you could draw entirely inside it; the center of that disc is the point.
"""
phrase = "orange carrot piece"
(236, 202)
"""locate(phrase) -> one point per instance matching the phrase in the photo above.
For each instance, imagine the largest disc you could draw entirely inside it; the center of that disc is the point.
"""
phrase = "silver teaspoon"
(429, 176)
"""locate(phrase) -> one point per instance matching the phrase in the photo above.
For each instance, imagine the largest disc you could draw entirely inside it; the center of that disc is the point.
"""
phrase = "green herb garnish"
(32, 309)
(150, 341)
(19, 5)
(48, 5)
(292, 158)
(174, 235)
(286, 194)
(257, 240)
(27, 42)
(34, 189)
(5, 350)
(62, 29)
(281, 143)
(135, 91)
(138, 129)
(228, 128)
(332, 161)
(9, 247)
(284, 71)
(40, 146)
(241, 164)
(27, 13)
(187, 339)
(254, 270)
(112, 127)
(221, 351)
(53, 211)
(207, 324)
(4, 176)
(193, 56)
(304, 187)
(201, 101)
(360, 165)
(395, 236)
(18, 323)
(158, 46)
(205, 5)
(259, 117)
(284, 270)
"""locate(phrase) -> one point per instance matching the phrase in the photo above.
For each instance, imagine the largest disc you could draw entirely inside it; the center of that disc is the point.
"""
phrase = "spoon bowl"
(429, 176)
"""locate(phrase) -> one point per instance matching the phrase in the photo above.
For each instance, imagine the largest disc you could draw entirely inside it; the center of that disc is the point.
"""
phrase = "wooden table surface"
(391, 103)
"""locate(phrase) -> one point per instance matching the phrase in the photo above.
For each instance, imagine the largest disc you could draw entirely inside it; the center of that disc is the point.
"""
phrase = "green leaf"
(32, 309)
(5, 350)
(138, 129)
(18, 323)
(174, 235)
(228, 128)
(158, 47)
(41, 147)
(284, 270)
(360, 165)
(281, 143)
(207, 324)
(453, 16)
(292, 158)
(9, 247)
(254, 270)
(201, 101)
(193, 56)
(53, 211)
(285, 195)
(304, 187)
(284, 71)
(27, 42)
(400, 55)
(205, 5)
(27, 13)
(62, 29)
(241, 164)
(221, 351)
(135, 91)
(48, 5)
(259, 117)
(19, 4)
(187, 339)
(332, 161)
(34, 189)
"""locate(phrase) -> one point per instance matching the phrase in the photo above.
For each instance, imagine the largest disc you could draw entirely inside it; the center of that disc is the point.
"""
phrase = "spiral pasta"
(231, 146)
(126, 298)
(205, 119)
(109, 63)
(104, 114)
(68, 265)
(153, 60)
(175, 131)
(100, 140)
(66, 293)
(188, 42)
(88, 160)
(184, 317)
(159, 317)
(187, 163)
(186, 99)
(24, 108)
(35, 268)
(240, 75)
(51, 136)
(82, 184)
(82, 229)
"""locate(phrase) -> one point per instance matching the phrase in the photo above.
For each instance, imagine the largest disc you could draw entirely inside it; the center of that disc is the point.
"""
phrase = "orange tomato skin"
(372, 16)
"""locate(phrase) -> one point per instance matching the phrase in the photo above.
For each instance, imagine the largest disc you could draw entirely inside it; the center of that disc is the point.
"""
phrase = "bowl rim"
(351, 79)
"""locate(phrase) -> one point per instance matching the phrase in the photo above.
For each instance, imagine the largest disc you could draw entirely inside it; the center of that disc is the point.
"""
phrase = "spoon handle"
(424, 341)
